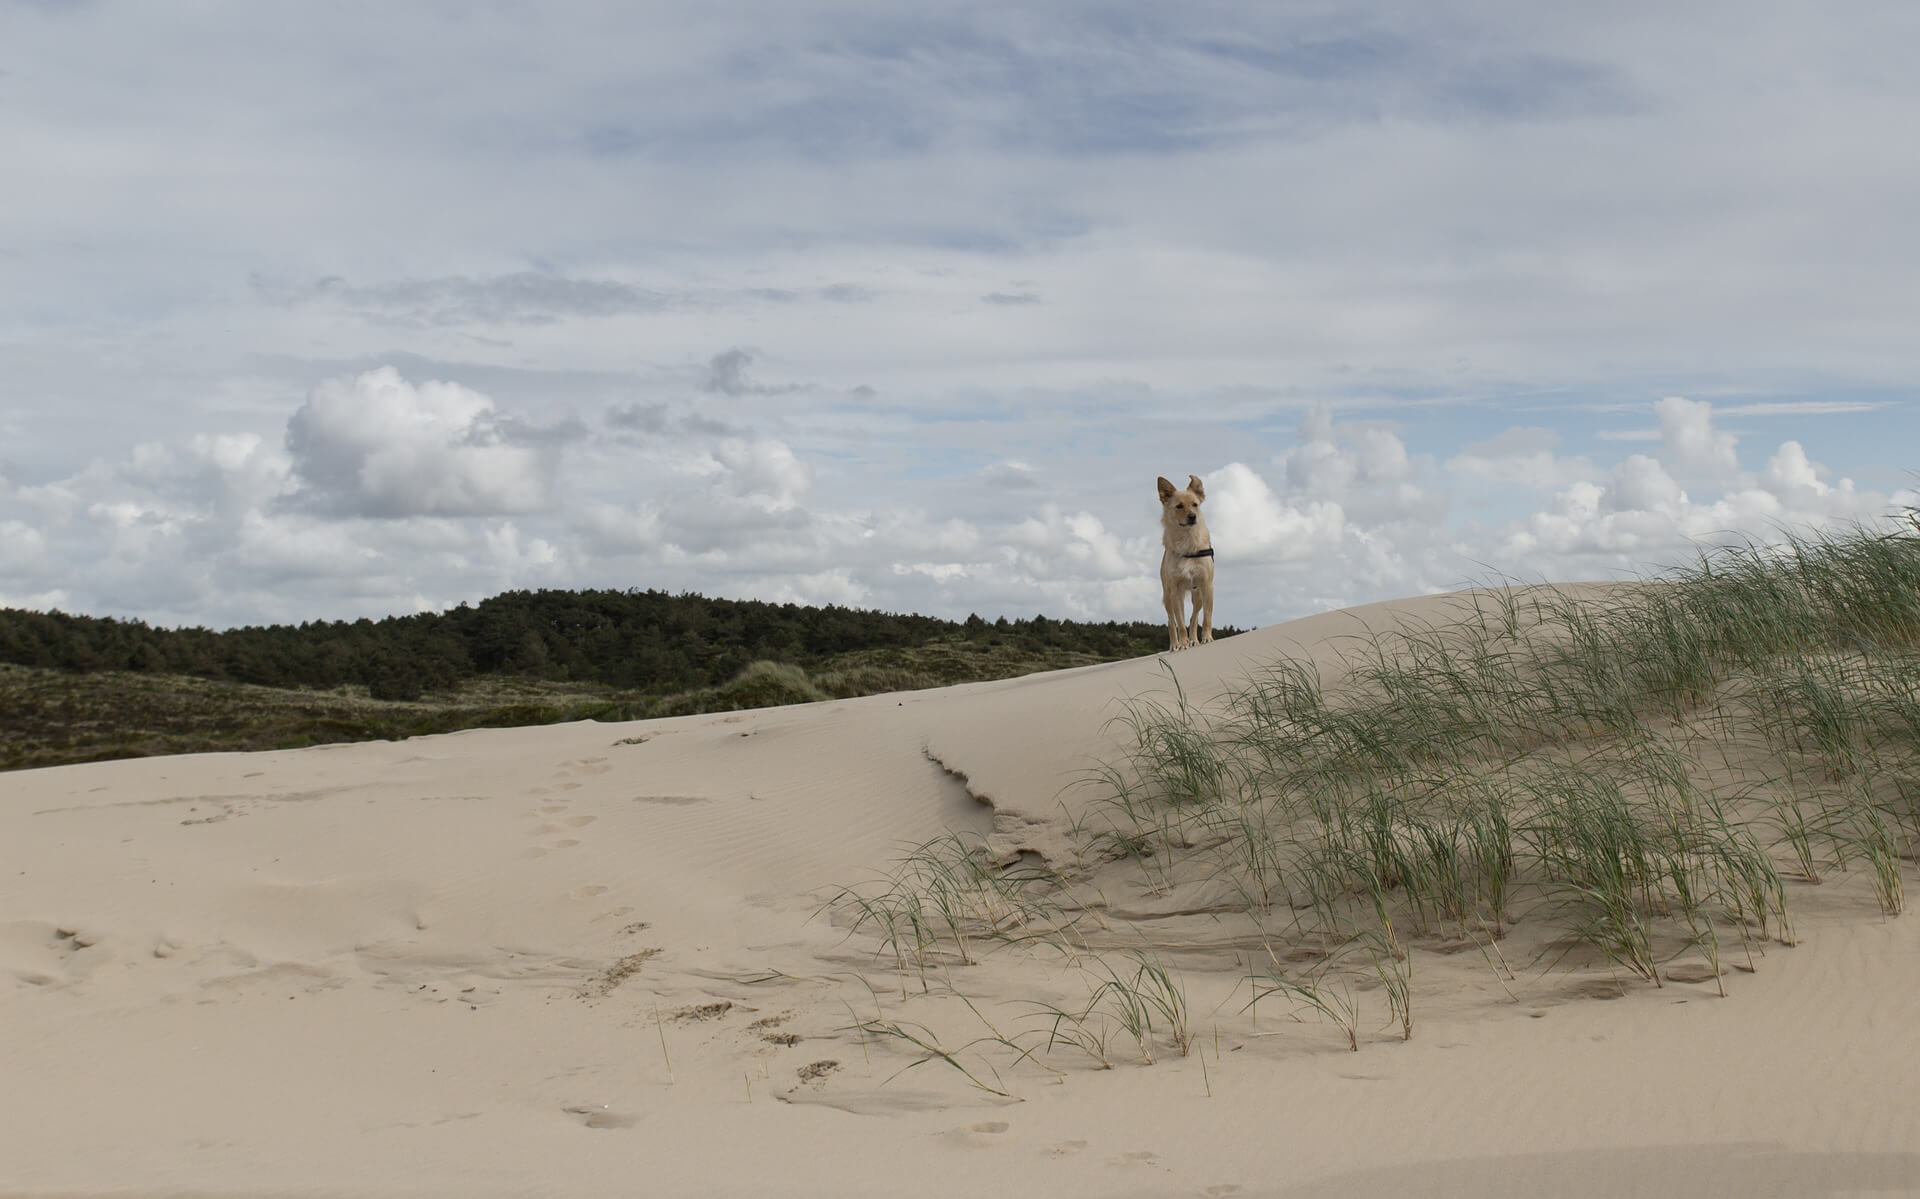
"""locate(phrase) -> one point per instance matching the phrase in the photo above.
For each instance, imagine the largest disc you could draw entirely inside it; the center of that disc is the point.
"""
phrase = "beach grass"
(1633, 771)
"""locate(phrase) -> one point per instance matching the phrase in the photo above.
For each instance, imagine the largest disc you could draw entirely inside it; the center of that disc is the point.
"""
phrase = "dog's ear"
(1166, 489)
(1194, 485)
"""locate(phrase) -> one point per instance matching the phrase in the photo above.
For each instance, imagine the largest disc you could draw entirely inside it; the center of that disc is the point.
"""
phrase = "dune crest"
(609, 959)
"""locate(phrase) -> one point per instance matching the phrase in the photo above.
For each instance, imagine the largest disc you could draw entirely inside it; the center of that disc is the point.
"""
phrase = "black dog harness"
(1205, 553)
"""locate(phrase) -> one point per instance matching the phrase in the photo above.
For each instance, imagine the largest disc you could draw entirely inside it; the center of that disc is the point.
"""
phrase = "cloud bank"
(315, 312)
(386, 494)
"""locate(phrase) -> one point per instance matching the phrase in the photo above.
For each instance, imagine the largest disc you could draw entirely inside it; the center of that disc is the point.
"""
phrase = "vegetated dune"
(1429, 911)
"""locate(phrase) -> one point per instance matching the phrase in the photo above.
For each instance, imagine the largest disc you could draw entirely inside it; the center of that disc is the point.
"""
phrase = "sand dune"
(600, 959)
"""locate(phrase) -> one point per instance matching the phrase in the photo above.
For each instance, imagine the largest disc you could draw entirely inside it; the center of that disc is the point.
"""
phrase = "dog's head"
(1181, 506)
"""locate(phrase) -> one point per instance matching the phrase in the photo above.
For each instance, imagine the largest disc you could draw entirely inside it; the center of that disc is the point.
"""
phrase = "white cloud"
(23, 552)
(517, 556)
(835, 586)
(55, 599)
(1363, 469)
(939, 572)
(1641, 518)
(762, 470)
(1791, 476)
(377, 445)
(1641, 484)
(1691, 443)
(1527, 215)
(283, 548)
(1248, 520)
(1054, 544)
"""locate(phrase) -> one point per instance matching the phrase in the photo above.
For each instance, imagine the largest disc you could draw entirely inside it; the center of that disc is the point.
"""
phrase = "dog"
(1186, 564)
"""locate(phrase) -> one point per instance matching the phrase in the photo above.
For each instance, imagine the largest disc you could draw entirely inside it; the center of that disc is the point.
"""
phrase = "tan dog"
(1186, 566)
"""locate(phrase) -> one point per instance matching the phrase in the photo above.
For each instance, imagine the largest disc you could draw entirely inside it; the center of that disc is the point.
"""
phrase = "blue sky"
(337, 310)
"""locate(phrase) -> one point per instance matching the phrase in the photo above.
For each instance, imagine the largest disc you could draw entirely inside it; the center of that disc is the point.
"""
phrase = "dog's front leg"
(1176, 618)
(1206, 594)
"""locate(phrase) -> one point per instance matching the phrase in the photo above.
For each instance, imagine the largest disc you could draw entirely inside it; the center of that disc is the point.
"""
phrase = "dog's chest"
(1183, 571)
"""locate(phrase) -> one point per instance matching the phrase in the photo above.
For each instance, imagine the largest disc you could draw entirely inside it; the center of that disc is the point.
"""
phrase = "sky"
(356, 309)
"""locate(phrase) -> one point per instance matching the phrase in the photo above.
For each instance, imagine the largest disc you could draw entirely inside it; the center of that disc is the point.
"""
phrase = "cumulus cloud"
(1244, 513)
(1052, 543)
(1691, 443)
(387, 493)
(1802, 483)
(519, 556)
(23, 552)
(280, 548)
(1641, 484)
(1640, 516)
(377, 445)
(227, 473)
(1364, 468)
(762, 470)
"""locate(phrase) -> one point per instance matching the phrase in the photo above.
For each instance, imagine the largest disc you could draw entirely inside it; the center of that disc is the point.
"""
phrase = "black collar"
(1205, 553)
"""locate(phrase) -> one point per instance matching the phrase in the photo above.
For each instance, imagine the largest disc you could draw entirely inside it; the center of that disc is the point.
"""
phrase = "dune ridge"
(617, 958)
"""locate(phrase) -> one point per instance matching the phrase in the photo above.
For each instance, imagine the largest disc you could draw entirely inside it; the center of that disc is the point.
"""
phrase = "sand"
(594, 959)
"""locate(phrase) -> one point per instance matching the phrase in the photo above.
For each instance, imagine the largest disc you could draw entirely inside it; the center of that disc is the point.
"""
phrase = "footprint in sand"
(1139, 1157)
(39, 954)
(984, 1135)
(585, 766)
(1066, 1148)
(272, 979)
(600, 1116)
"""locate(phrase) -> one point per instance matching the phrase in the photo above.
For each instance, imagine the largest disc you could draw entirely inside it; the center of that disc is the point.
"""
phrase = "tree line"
(648, 640)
